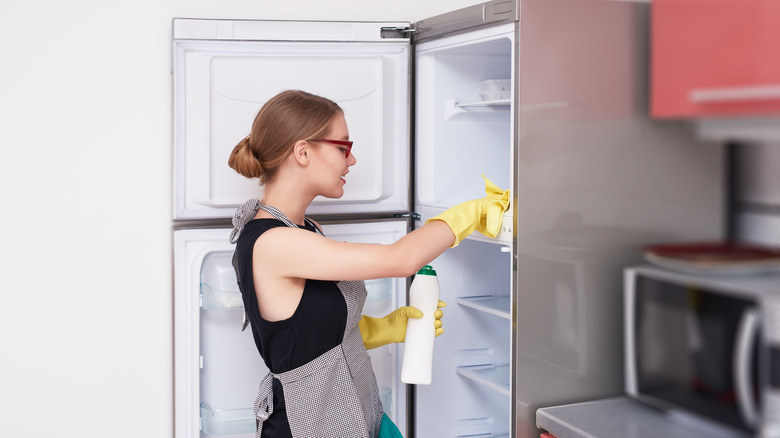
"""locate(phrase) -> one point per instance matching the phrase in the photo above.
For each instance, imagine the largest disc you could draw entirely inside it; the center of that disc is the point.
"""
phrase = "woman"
(303, 293)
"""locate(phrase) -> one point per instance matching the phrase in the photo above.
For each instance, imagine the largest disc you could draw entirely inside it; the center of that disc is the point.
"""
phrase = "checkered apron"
(336, 394)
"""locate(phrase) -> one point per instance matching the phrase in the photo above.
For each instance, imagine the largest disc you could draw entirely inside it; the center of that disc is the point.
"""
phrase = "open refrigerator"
(543, 97)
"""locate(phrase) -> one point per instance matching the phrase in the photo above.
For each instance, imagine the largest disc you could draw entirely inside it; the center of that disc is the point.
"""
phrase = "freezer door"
(217, 366)
(225, 70)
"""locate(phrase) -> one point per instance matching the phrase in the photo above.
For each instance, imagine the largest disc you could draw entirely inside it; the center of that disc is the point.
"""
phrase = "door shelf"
(218, 286)
(495, 377)
(492, 304)
(211, 299)
(226, 421)
(379, 290)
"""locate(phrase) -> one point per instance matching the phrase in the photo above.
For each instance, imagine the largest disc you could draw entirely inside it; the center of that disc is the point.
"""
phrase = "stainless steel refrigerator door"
(225, 70)
(596, 179)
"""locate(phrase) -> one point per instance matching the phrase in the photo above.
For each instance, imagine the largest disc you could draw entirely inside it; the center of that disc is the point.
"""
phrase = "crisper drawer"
(223, 77)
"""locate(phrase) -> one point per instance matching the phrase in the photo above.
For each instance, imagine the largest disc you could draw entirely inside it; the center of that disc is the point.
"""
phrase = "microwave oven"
(705, 348)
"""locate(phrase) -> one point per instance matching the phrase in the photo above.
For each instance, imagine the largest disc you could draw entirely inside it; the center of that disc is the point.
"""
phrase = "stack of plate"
(714, 257)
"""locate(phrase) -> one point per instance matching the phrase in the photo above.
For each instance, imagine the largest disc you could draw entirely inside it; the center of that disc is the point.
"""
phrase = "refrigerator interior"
(218, 368)
(470, 391)
(224, 71)
(463, 132)
(464, 129)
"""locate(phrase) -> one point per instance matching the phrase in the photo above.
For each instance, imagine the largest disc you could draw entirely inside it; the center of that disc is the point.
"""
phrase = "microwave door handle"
(746, 335)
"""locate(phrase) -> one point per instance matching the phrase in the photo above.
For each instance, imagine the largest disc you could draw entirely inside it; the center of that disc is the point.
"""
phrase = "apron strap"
(248, 211)
(264, 403)
(243, 214)
(276, 213)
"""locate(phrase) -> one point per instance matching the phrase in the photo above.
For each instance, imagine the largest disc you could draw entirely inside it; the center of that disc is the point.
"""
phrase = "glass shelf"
(494, 305)
(503, 103)
(226, 421)
(495, 377)
(453, 107)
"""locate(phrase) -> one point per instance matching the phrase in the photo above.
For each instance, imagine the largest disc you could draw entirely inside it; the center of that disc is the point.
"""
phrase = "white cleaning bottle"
(420, 332)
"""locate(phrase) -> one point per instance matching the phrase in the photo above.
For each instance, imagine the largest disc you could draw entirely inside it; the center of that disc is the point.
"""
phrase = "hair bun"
(244, 161)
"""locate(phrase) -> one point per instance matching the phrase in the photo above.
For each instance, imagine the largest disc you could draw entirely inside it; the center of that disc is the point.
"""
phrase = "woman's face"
(331, 164)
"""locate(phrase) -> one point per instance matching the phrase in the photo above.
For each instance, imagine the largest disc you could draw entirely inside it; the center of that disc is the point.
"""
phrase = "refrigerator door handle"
(499, 10)
(495, 11)
(746, 335)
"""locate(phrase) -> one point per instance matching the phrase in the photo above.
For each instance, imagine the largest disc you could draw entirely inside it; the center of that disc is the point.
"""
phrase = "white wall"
(85, 184)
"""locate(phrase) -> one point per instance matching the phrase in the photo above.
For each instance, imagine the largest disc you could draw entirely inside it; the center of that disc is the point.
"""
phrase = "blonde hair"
(288, 117)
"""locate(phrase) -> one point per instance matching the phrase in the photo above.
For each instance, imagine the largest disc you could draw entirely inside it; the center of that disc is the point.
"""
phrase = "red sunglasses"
(346, 143)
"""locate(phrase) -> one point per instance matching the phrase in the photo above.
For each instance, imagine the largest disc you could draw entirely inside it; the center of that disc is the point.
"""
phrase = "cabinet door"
(715, 57)
(224, 71)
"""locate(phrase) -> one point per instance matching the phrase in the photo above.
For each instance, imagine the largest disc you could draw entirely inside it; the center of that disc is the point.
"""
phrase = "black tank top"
(317, 325)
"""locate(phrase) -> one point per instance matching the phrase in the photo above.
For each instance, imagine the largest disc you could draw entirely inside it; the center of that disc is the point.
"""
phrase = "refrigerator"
(547, 98)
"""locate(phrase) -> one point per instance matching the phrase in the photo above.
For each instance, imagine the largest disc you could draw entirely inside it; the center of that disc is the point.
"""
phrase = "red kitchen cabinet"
(715, 58)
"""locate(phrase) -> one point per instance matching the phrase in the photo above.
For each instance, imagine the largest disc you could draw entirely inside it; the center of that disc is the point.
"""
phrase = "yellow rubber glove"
(484, 215)
(437, 317)
(391, 328)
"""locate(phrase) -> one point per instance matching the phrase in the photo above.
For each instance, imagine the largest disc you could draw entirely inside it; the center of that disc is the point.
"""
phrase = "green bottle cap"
(427, 270)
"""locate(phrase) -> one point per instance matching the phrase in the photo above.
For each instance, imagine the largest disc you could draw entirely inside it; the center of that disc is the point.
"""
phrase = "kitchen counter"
(619, 417)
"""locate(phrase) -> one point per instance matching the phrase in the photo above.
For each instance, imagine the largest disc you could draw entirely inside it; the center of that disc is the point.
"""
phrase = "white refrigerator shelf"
(453, 107)
(499, 103)
(495, 377)
(492, 304)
